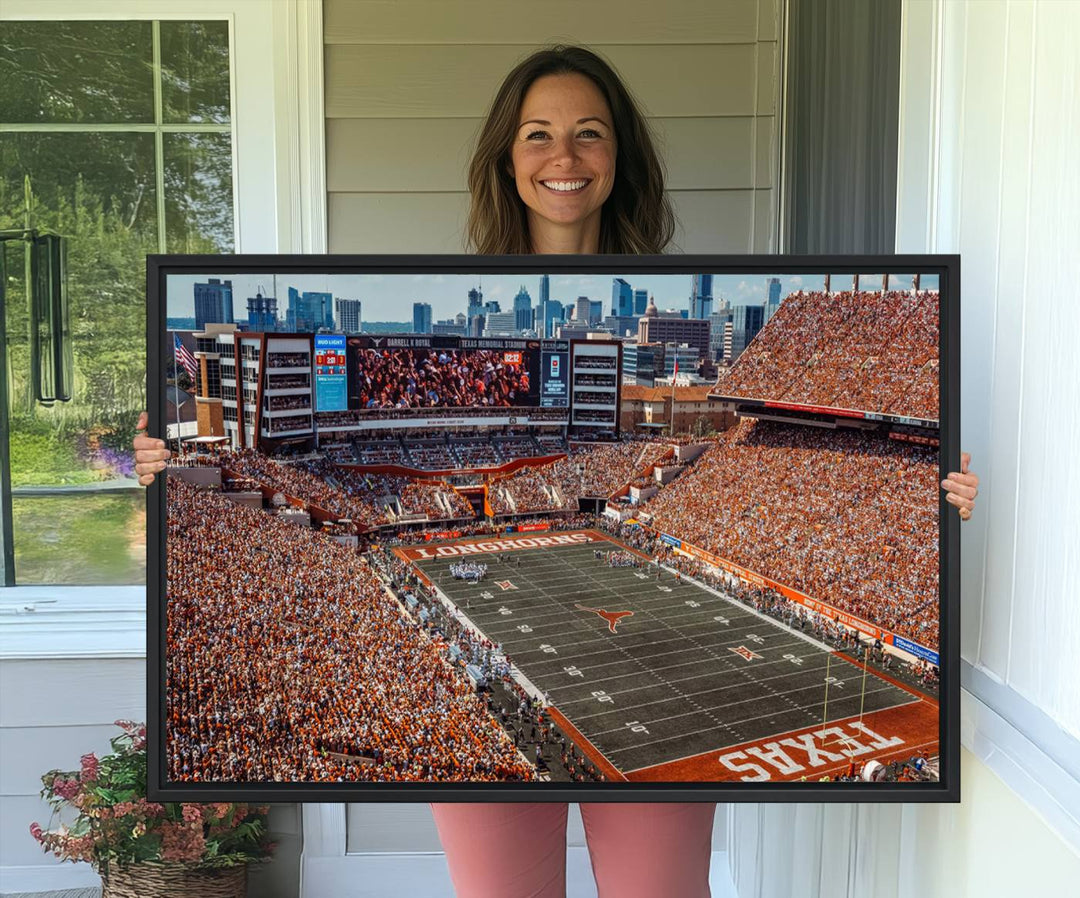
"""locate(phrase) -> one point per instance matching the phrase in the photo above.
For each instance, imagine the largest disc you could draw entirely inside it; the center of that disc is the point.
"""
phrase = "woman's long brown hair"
(637, 216)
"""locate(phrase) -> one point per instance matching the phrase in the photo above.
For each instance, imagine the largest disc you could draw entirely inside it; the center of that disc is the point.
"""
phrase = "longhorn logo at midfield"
(612, 617)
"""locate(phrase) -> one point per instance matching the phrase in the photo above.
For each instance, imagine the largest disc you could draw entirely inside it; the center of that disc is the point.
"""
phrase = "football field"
(659, 677)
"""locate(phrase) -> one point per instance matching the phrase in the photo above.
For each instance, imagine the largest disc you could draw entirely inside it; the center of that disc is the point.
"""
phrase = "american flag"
(184, 357)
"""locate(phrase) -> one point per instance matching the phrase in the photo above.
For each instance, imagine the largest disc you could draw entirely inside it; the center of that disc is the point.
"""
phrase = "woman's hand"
(150, 453)
(962, 487)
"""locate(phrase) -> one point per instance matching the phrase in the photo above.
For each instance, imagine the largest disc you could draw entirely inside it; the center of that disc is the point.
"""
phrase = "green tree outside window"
(123, 131)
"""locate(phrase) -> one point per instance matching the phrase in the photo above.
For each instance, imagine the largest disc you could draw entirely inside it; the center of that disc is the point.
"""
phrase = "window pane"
(76, 72)
(98, 191)
(198, 193)
(195, 71)
(81, 540)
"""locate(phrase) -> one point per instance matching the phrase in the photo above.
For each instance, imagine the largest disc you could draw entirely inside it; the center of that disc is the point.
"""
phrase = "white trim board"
(426, 875)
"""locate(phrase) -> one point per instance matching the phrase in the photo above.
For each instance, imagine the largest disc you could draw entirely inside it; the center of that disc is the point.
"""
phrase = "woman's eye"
(533, 135)
(589, 132)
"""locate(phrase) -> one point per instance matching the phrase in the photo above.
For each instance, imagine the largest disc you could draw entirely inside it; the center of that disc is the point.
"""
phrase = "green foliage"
(99, 189)
(99, 539)
(116, 824)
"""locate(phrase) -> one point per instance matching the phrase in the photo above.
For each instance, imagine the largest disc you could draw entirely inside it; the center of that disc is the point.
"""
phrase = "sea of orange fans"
(261, 679)
(869, 351)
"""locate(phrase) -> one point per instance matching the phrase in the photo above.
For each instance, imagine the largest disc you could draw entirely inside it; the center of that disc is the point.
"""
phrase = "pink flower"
(65, 788)
(150, 808)
(181, 842)
(192, 813)
(36, 831)
(89, 767)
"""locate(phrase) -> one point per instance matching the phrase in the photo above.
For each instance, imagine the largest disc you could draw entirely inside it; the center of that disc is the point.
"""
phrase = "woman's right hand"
(150, 453)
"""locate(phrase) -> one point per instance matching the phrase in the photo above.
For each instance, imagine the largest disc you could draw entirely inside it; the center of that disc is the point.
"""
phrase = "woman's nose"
(564, 150)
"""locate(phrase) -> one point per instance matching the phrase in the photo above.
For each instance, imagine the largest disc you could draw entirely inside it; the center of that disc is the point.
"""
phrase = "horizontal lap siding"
(408, 83)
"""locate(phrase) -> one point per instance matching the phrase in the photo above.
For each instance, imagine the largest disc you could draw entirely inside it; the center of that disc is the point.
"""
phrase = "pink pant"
(518, 850)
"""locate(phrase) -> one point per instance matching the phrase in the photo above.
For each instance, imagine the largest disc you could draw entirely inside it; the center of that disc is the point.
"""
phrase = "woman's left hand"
(962, 487)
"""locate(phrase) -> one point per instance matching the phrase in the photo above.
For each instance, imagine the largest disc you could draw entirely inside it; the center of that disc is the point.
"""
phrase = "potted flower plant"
(141, 847)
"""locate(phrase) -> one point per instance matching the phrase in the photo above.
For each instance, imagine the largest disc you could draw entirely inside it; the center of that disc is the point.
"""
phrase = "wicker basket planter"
(171, 880)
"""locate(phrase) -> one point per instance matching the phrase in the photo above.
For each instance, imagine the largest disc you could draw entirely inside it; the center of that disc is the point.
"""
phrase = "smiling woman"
(560, 118)
(563, 162)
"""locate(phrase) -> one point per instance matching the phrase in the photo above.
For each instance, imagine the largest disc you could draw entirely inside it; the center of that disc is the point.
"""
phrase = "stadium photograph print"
(374, 664)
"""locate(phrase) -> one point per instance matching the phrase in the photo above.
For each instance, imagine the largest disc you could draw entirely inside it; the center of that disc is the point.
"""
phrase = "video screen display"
(411, 373)
(693, 549)
(330, 376)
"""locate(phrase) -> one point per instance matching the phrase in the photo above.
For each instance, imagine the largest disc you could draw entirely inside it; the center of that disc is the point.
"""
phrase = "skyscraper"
(262, 313)
(545, 289)
(582, 309)
(213, 303)
(701, 296)
(499, 324)
(551, 311)
(641, 302)
(773, 302)
(746, 322)
(622, 297)
(523, 310)
(476, 304)
(348, 315)
(421, 318)
(309, 311)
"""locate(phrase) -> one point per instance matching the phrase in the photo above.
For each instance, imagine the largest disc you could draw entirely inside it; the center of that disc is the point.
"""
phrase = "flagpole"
(674, 377)
(176, 392)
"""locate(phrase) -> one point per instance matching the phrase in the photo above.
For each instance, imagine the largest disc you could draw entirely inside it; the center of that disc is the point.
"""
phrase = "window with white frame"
(117, 135)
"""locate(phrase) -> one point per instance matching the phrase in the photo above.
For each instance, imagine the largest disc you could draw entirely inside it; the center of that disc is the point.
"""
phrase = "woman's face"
(563, 154)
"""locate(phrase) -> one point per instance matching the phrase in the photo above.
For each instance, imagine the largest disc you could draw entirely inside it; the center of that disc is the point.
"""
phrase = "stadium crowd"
(415, 378)
(292, 422)
(283, 647)
(870, 351)
(288, 360)
(845, 517)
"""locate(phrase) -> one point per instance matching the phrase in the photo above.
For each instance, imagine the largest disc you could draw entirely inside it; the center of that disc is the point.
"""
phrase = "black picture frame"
(946, 267)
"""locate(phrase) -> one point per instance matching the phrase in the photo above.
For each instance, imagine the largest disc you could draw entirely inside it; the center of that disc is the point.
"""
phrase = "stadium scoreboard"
(330, 377)
(449, 371)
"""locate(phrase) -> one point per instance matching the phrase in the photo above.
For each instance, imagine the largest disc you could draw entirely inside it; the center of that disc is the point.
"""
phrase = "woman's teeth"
(564, 186)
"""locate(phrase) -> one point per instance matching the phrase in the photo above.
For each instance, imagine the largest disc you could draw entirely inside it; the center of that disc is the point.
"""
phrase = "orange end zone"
(813, 752)
(585, 745)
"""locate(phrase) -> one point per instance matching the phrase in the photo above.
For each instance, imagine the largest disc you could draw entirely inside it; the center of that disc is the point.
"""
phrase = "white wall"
(989, 137)
(407, 85)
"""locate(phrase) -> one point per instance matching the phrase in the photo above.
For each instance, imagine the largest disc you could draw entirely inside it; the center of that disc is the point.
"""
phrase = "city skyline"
(388, 297)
